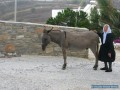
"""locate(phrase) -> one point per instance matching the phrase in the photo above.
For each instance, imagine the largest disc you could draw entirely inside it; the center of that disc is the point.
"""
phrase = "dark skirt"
(103, 54)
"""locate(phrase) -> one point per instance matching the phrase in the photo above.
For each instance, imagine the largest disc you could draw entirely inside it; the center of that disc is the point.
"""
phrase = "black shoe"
(104, 68)
(109, 70)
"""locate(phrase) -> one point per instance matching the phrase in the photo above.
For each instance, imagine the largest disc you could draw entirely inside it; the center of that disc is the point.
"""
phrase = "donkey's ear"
(48, 31)
(44, 29)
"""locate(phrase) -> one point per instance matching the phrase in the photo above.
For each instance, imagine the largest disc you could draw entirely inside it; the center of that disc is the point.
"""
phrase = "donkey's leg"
(95, 52)
(64, 57)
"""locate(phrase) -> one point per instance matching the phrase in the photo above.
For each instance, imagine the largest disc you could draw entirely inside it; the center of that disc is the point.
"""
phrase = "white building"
(56, 11)
(86, 9)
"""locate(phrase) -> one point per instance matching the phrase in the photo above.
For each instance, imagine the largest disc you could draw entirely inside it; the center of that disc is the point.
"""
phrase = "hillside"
(37, 11)
(32, 11)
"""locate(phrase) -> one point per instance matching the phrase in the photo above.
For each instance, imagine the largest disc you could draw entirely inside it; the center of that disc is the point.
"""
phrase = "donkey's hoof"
(95, 68)
(64, 67)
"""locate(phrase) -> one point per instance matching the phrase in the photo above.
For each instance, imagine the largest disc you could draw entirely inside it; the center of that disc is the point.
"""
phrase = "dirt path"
(44, 73)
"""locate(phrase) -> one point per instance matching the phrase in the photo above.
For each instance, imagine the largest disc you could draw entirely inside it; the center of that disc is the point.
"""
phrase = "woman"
(107, 52)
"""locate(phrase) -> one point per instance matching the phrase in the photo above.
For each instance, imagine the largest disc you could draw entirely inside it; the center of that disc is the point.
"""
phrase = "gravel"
(44, 73)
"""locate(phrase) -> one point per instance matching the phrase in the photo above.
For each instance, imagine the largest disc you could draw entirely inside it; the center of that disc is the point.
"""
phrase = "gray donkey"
(70, 40)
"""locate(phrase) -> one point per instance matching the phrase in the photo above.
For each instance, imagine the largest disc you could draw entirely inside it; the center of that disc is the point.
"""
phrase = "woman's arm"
(99, 34)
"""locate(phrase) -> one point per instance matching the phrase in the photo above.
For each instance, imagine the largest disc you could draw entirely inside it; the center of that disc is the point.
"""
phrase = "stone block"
(20, 37)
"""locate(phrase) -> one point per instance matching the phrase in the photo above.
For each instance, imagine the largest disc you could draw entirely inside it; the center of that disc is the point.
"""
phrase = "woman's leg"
(106, 66)
(110, 67)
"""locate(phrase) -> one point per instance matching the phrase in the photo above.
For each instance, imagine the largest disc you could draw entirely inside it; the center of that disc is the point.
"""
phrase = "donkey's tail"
(97, 47)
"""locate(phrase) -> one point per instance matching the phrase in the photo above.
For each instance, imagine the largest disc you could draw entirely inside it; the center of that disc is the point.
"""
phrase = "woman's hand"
(109, 54)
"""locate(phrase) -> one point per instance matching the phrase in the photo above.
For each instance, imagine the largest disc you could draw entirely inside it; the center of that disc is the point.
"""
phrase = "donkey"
(68, 40)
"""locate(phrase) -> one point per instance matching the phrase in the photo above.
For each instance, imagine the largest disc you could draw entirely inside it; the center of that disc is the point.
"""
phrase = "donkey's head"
(45, 38)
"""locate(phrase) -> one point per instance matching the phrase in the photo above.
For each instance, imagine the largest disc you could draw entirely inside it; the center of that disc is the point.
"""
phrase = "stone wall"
(25, 38)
